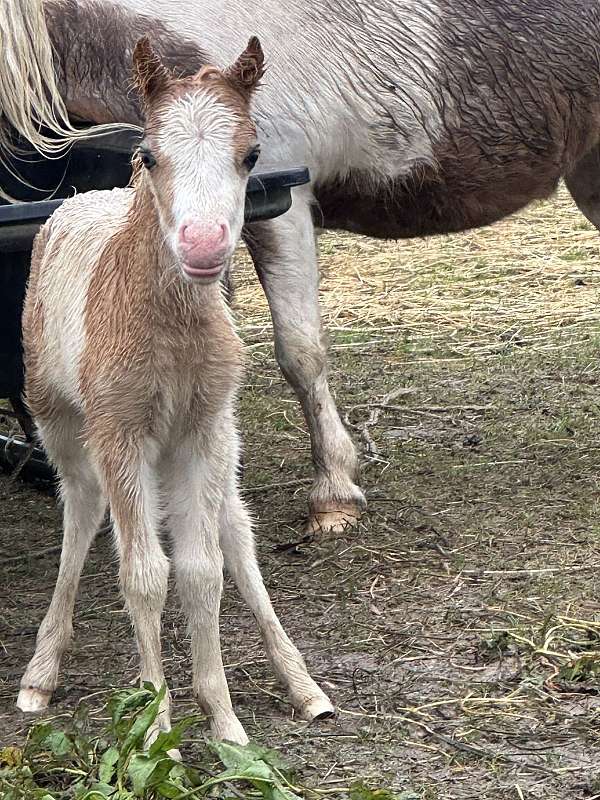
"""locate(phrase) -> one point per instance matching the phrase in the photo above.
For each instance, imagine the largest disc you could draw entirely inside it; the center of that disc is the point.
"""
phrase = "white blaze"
(197, 139)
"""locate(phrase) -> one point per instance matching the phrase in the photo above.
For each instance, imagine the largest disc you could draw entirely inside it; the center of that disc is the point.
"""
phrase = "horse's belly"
(425, 206)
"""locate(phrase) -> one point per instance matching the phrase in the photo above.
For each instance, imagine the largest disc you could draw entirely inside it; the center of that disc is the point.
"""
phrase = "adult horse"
(415, 118)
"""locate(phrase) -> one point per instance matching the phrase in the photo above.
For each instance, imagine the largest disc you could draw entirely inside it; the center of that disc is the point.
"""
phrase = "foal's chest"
(177, 361)
(195, 368)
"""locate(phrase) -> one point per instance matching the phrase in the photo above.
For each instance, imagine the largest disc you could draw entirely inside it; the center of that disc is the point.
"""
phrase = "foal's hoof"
(333, 518)
(319, 707)
(33, 700)
(230, 732)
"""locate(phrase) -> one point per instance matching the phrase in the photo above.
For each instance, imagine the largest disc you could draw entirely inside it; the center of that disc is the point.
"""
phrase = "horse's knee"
(200, 581)
(302, 358)
(144, 581)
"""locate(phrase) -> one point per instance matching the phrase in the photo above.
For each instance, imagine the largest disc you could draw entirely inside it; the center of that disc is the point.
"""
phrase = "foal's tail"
(30, 100)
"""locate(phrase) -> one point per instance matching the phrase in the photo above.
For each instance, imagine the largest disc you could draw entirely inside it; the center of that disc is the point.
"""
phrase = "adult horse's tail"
(30, 100)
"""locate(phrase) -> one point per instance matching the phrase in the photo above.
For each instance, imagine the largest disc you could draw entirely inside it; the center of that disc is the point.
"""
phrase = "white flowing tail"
(29, 95)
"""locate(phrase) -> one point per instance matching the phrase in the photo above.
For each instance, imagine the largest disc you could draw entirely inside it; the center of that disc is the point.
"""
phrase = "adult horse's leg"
(285, 256)
(584, 184)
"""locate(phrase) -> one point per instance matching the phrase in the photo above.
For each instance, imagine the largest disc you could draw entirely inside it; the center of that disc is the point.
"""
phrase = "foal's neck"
(156, 271)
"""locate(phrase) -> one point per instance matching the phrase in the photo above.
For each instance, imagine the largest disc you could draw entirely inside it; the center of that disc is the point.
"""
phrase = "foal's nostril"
(222, 233)
(184, 233)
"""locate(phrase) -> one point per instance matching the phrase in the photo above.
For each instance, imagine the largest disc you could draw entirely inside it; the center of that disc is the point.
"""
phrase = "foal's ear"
(246, 72)
(150, 74)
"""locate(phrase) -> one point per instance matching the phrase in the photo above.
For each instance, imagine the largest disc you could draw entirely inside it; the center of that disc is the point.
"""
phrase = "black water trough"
(102, 163)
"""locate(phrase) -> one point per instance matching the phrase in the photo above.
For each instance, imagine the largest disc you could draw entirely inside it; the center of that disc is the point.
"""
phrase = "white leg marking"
(291, 283)
(194, 483)
(237, 544)
(133, 494)
(84, 507)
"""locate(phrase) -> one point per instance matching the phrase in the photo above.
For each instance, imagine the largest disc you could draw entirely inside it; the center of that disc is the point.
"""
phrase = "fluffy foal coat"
(132, 367)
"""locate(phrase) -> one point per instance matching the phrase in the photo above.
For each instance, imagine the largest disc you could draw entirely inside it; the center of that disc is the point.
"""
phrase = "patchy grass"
(71, 761)
(458, 629)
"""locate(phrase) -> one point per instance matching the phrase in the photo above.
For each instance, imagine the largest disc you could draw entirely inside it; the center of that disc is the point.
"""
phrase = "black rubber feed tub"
(102, 163)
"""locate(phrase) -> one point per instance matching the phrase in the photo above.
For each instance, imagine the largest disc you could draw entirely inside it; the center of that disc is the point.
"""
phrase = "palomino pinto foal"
(132, 369)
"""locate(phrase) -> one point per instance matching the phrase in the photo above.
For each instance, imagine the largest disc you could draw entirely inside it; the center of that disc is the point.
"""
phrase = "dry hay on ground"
(523, 279)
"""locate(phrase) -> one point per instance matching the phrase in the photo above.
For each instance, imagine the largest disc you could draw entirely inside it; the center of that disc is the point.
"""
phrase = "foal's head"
(198, 150)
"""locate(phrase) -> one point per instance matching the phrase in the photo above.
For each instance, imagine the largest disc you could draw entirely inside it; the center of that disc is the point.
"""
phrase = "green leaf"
(59, 744)
(271, 757)
(139, 728)
(108, 764)
(257, 770)
(146, 773)
(169, 740)
(177, 784)
(38, 732)
(140, 770)
(170, 790)
(233, 756)
(166, 768)
(360, 791)
(280, 792)
(125, 701)
(99, 791)
(45, 737)
(248, 762)
(180, 772)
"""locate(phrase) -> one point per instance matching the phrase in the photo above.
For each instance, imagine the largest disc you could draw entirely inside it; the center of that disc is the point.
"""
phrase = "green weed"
(72, 763)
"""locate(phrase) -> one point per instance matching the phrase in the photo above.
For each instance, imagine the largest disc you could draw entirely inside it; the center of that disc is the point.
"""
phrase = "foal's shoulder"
(96, 210)
(78, 231)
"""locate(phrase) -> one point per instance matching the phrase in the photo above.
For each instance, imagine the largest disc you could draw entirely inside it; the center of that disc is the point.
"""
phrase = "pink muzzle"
(203, 247)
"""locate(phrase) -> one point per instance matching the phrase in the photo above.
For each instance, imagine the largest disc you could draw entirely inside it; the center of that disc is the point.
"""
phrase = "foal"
(132, 369)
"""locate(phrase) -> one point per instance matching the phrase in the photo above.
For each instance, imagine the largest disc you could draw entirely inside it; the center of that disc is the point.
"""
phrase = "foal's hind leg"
(84, 507)
(237, 544)
(193, 475)
(583, 183)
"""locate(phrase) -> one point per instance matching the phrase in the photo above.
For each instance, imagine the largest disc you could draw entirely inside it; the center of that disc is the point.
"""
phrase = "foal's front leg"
(128, 467)
(193, 481)
(285, 256)
(84, 507)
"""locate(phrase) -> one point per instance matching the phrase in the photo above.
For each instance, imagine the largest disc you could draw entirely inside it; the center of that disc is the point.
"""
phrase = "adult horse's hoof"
(333, 517)
(31, 700)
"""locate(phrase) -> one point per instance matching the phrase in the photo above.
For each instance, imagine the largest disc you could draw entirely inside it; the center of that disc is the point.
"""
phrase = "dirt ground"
(458, 628)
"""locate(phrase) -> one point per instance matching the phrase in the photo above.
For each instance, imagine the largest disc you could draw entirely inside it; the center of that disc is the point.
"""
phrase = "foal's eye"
(252, 158)
(147, 159)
